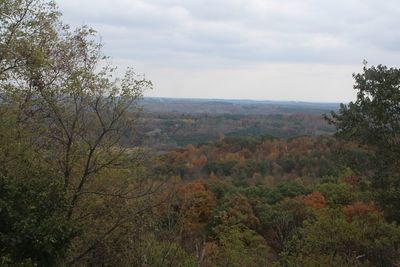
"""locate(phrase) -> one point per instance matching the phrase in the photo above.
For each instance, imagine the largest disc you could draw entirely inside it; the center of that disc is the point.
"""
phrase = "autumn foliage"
(196, 204)
(360, 210)
(314, 200)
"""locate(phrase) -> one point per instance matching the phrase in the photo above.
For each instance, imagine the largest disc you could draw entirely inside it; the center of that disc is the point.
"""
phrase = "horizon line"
(245, 99)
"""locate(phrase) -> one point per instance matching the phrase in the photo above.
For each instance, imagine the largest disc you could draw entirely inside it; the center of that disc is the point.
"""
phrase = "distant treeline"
(162, 130)
(226, 106)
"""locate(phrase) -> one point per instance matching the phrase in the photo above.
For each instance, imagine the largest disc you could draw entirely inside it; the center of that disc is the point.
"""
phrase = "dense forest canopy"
(83, 184)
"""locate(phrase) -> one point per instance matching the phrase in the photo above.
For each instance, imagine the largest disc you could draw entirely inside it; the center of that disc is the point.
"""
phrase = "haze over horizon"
(283, 50)
(240, 100)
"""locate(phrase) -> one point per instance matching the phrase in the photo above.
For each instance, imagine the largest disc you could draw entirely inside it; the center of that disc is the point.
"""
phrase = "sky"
(297, 50)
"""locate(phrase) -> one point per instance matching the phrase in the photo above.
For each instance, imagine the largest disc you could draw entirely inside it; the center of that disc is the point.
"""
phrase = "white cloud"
(242, 40)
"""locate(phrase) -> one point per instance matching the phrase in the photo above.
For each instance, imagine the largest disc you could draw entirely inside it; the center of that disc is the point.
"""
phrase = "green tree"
(241, 246)
(374, 120)
(24, 27)
(235, 209)
(33, 226)
(333, 241)
(286, 189)
(336, 194)
(279, 221)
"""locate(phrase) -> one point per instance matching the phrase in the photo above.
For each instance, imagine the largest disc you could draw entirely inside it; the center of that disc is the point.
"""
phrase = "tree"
(374, 117)
(336, 194)
(333, 241)
(196, 204)
(360, 210)
(76, 115)
(240, 246)
(374, 120)
(158, 253)
(24, 27)
(314, 200)
(279, 221)
(235, 209)
(33, 227)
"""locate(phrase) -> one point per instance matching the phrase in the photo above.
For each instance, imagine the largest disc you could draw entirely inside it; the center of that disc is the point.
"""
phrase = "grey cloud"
(260, 49)
(257, 30)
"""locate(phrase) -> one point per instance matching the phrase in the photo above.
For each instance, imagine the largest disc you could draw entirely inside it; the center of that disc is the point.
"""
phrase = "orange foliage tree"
(196, 204)
(314, 200)
(360, 210)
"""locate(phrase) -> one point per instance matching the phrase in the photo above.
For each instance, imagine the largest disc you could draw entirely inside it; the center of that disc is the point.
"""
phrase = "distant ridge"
(233, 106)
(248, 101)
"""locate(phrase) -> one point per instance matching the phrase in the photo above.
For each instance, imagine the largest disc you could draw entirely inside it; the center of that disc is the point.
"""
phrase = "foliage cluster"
(74, 192)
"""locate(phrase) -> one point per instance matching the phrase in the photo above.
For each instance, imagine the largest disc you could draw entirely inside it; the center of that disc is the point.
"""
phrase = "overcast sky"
(302, 50)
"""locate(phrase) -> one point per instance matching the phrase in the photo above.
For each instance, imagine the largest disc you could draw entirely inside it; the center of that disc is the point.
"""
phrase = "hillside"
(170, 123)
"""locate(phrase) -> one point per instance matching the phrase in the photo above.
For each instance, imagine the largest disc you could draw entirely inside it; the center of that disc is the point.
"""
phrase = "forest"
(93, 174)
(163, 131)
